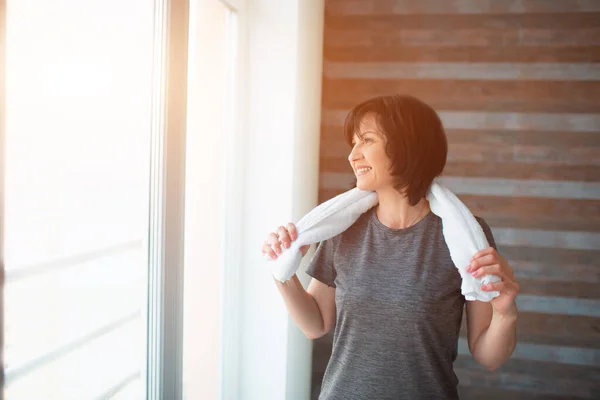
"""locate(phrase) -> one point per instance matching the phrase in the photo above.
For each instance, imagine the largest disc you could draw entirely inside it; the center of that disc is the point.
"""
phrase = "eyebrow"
(366, 133)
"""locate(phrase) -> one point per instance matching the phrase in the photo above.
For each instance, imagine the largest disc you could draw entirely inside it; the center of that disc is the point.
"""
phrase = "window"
(98, 156)
(92, 205)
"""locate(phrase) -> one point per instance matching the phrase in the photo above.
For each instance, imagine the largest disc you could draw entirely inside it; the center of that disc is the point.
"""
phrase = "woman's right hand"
(282, 239)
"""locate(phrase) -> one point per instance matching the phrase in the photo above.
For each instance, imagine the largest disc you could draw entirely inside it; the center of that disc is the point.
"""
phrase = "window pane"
(77, 169)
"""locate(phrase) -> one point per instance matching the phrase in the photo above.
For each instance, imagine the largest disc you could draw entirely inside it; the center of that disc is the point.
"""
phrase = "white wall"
(264, 354)
(281, 141)
(306, 169)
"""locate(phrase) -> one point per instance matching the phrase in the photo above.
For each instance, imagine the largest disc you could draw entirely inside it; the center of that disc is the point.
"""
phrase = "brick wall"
(517, 84)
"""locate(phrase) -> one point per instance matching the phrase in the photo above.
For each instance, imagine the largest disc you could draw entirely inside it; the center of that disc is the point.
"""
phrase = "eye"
(368, 140)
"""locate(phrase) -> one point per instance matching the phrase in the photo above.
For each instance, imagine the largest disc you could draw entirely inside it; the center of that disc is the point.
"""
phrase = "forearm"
(302, 307)
(497, 343)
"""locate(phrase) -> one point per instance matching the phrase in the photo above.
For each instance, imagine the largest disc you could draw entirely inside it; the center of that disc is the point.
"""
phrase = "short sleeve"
(321, 265)
(488, 232)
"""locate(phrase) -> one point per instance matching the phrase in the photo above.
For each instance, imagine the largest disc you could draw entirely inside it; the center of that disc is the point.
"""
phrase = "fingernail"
(469, 268)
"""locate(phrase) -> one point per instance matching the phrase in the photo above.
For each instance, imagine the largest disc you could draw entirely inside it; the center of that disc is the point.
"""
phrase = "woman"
(387, 284)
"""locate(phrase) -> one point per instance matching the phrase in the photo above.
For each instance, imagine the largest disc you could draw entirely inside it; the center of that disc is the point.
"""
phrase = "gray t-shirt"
(399, 310)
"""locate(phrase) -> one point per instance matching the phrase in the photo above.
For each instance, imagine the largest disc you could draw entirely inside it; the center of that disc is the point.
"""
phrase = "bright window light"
(78, 89)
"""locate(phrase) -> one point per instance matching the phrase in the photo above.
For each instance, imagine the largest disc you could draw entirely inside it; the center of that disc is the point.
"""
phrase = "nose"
(355, 154)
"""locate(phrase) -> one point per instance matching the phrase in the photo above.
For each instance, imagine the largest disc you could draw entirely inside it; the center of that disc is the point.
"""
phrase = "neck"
(394, 210)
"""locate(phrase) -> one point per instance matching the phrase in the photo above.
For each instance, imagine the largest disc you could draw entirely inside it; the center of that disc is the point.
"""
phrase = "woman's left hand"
(489, 262)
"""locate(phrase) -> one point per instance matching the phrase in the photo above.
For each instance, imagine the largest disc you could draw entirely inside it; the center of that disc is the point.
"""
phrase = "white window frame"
(281, 142)
(163, 369)
(236, 5)
(2, 172)
(232, 240)
(167, 202)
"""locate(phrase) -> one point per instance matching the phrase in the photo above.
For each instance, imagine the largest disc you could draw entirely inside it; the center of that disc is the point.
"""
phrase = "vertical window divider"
(232, 233)
(167, 200)
(2, 173)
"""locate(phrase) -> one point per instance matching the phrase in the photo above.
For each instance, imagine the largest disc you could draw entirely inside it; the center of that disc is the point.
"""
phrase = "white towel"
(463, 234)
(464, 237)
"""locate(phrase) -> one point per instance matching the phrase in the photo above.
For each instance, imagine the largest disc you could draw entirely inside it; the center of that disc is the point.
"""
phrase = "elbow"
(492, 367)
(492, 361)
(317, 331)
(489, 365)
(313, 335)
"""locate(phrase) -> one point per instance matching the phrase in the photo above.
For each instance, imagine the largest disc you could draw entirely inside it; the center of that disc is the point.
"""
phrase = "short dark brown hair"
(416, 141)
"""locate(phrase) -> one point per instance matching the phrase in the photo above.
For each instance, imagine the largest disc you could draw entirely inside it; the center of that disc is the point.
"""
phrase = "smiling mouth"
(363, 170)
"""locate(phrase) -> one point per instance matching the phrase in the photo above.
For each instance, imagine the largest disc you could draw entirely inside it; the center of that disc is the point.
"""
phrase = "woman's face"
(368, 158)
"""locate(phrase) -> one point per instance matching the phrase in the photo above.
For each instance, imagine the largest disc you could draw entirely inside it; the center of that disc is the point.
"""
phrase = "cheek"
(381, 163)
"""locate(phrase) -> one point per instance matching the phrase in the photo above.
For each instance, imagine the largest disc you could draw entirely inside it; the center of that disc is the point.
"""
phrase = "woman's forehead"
(361, 125)
(368, 122)
(368, 125)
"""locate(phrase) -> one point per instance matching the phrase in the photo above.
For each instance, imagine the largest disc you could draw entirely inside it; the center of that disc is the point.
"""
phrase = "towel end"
(481, 296)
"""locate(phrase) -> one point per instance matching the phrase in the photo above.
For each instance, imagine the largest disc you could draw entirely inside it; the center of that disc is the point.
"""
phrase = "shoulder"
(437, 226)
(487, 231)
(358, 228)
(481, 221)
(437, 221)
(484, 225)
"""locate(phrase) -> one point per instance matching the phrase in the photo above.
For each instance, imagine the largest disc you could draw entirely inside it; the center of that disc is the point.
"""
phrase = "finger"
(274, 242)
(509, 287)
(268, 250)
(488, 259)
(284, 237)
(483, 252)
(491, 287)
(292, 231)
(495, 269)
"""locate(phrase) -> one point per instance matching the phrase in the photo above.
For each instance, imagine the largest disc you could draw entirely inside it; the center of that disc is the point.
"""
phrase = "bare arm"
(492, 327)
(313, 310)
(492, 336)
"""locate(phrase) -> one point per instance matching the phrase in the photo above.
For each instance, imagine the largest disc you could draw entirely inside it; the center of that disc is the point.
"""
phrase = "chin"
(364, 185)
